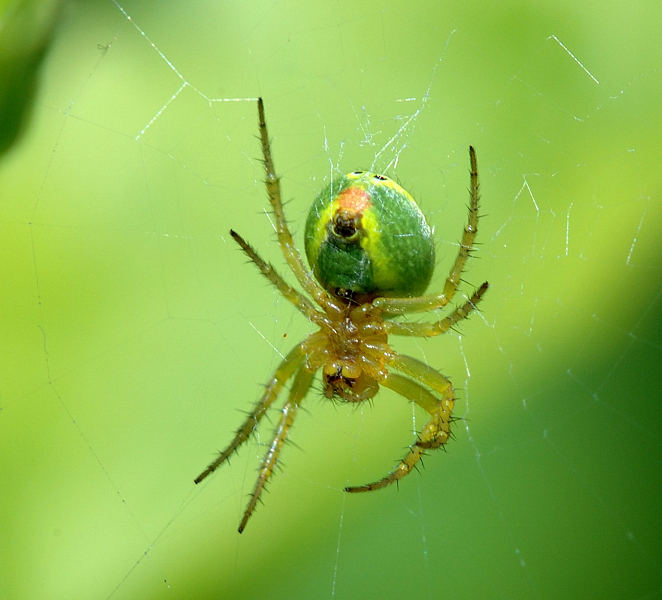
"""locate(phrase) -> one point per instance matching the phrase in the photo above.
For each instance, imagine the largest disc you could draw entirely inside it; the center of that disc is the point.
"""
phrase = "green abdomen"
(366, 235)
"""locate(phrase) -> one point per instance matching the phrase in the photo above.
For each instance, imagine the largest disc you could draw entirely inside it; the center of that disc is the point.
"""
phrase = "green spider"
(372, 253)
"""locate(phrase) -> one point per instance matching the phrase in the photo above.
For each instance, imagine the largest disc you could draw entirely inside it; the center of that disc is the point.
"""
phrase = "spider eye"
(380, 178)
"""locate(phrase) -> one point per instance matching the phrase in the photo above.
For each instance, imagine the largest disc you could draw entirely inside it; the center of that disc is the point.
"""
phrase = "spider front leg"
(299, 300)
(300, 387)
(290, 252)
(438, 327)
(285, 371)
(436, 431)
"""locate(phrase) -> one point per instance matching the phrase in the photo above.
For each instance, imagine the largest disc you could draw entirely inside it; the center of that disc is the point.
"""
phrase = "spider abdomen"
(366, 237)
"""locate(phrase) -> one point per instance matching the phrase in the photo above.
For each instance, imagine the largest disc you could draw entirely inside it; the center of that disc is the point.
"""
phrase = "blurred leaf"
(26, 30)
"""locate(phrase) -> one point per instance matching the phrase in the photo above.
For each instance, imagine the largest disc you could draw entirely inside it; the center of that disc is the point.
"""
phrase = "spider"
(372, 257)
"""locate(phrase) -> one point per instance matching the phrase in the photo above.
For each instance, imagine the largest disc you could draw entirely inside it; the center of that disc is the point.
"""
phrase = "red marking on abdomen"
(354, 200)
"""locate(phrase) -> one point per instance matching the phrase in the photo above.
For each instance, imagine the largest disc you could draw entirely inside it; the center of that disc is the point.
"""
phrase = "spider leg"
(438, 327)
(300, 301)
(292, 255)
(299, 389)
(436, 431)
(285, 371)
(398, 306)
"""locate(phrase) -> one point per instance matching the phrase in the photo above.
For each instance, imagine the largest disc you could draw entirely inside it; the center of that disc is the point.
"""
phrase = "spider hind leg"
(437, 430)
(300, 387)
(283, 373)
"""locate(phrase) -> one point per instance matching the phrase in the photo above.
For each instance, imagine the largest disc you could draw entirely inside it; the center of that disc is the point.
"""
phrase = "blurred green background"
(133, 332)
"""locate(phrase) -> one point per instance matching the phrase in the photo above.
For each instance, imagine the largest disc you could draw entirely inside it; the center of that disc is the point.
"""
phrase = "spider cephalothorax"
(372, 256)
(352, 350)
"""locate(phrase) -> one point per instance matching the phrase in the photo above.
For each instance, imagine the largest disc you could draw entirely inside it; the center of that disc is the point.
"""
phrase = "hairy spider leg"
(441, 326)
(285, 371)
(302, 382)
(299, 300)
(436, 431)
(398, 306)
(290, 251)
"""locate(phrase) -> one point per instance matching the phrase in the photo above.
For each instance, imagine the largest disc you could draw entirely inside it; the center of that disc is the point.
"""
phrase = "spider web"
(135, 332)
